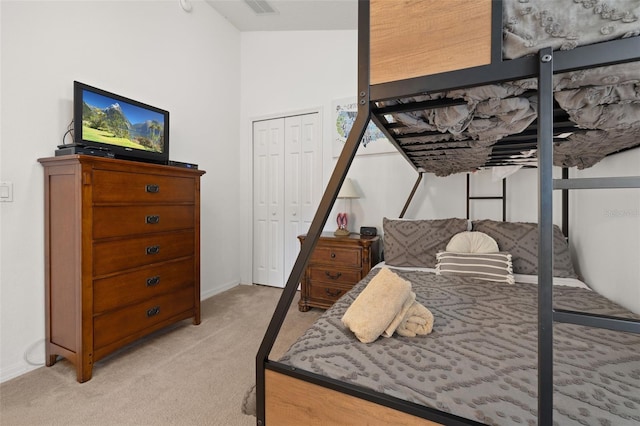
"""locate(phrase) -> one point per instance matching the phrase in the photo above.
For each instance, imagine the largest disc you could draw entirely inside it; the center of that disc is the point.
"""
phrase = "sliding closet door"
(268, 202)
(287, 187)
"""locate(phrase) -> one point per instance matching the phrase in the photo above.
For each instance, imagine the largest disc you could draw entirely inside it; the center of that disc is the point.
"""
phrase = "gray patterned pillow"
(416, 242)
(521, 240)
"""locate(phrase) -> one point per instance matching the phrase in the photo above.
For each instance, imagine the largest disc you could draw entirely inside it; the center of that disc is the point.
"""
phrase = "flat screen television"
(126, 128)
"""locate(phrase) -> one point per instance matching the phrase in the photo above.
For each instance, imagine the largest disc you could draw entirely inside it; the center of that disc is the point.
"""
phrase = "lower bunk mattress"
(480, 361)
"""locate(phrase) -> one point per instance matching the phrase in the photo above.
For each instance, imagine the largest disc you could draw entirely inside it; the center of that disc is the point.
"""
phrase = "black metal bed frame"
(502, 197)
(542, 66)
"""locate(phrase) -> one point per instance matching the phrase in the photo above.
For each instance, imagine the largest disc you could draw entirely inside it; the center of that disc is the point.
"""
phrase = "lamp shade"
(348, 190)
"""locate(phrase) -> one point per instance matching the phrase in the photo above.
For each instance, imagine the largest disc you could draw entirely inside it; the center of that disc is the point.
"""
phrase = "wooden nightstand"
(336, 265)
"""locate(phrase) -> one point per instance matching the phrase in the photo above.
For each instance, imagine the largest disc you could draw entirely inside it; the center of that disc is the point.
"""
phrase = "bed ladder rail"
(598, 321)
(502, 197)
(547, 315)
(583, 318)
(622, 182)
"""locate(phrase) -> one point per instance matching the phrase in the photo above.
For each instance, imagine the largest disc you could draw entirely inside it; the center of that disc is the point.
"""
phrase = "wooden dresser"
(122, 254)
(335, 266)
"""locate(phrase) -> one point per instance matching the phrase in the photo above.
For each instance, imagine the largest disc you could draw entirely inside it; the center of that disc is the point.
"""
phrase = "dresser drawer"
(116, 325)
(122, 254)
(123, 187)
(335, 276)
(118, 221)
(321, 291)
(328, 255)
(143, 284)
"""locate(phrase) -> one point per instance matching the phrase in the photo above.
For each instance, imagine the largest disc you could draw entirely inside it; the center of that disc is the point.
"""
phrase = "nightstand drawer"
(120, 221)
(123, 254)
(336, 265)
(329, 255)
(143, 284)
(320, 291)
(122, 187)
(111, 327)
(335, 276)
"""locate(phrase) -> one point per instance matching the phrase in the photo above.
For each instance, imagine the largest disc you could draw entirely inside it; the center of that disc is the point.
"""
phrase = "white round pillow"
(472, 242)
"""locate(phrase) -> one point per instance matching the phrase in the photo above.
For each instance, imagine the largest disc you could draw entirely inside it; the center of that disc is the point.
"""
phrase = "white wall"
(287, 71)
(606, 234)
(187, 63)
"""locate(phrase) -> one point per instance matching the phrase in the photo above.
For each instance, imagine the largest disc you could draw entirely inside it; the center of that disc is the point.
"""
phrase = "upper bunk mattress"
(597, 110)
(597, 113)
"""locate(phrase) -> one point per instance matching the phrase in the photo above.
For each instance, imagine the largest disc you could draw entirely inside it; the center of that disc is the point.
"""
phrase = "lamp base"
(341, 232)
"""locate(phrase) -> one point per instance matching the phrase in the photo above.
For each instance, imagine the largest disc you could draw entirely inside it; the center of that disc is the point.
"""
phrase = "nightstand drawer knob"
(333, 277)
(153, 281)
(332, 293)
(333, 255)
(153, 311)
(153, 249)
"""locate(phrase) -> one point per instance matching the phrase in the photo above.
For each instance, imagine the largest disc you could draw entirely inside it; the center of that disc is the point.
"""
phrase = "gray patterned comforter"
(480, 362)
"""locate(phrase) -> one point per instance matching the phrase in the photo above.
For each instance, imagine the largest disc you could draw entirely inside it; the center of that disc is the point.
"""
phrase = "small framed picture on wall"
(344, 115)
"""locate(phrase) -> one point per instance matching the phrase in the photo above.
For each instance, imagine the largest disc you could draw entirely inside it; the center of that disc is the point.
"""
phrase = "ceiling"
(289, 15)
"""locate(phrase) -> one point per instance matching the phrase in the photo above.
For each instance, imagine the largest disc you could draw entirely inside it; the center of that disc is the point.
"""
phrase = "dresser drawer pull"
(153, 311)
(333, 255)
(153, 281)
(152, 188)
(152, 219)
(153, 249)
(333, 277)
(332, 293)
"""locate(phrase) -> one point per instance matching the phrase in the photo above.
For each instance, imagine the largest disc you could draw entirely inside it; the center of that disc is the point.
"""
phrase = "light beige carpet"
(183, 375)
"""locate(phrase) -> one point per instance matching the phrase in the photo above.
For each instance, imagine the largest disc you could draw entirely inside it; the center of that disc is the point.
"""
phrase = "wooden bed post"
(320, 218)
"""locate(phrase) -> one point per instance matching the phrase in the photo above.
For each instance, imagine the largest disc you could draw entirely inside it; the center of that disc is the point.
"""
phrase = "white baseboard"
(16, 370)
(219, 289)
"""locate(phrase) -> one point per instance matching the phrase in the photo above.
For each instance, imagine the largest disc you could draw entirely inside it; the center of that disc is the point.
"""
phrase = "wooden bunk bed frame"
(447, 57)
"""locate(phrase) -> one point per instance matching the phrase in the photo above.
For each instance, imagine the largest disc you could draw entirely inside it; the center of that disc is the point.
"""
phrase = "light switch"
(6, 192)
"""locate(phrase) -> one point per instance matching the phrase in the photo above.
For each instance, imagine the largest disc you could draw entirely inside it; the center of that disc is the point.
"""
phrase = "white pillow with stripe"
(483, 266)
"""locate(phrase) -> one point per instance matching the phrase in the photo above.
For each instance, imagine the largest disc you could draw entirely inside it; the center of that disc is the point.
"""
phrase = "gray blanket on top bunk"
(530, 25)
(604, 103)
(480, 361)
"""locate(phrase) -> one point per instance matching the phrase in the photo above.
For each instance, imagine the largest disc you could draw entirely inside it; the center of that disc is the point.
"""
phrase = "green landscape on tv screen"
(109, 121)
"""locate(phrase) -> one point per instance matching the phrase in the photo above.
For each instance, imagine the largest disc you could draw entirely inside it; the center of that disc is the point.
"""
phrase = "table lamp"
(347, 191)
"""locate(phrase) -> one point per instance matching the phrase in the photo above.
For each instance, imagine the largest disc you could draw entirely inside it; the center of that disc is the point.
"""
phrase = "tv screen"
(129, 129)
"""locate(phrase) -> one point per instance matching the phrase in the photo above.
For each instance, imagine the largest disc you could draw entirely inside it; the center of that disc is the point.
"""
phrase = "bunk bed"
(418, 60)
